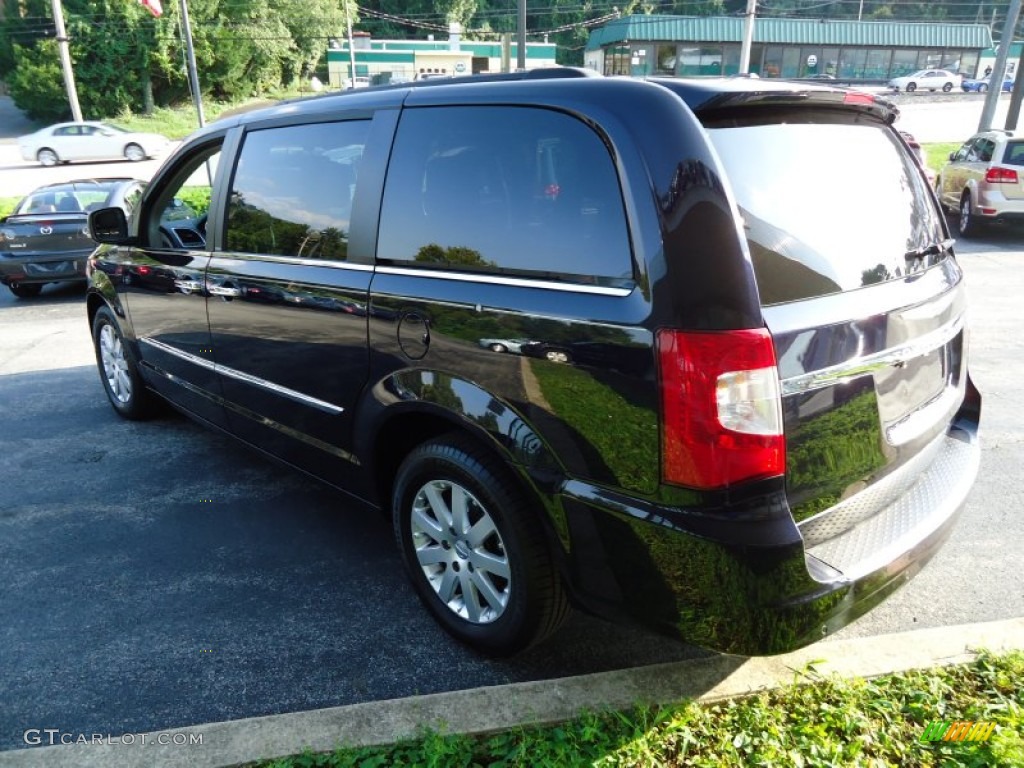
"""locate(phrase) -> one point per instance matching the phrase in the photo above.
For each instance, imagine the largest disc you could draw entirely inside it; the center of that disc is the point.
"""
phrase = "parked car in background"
(918, 150)
(927, 79)
(89, 141)
(46, 238)
(981, 85)
(739, 419)
(984, 181)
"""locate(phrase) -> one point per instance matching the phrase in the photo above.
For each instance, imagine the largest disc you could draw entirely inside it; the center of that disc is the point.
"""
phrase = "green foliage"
(35, 83)
(7, 205)
(123, 56)
(824, 721)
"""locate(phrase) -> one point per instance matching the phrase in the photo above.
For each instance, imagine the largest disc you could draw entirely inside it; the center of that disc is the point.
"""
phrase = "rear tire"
(982, 88)
(25, 290)
(947, 87)
(119, 371)
(47, 157)
(134, 153)
(474, 547)
(967, 223)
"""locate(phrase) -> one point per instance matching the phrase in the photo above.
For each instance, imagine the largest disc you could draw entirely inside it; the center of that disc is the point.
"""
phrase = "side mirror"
(108, 225)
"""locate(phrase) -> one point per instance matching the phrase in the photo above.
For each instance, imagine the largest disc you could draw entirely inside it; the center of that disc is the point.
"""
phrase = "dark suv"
(737, 407)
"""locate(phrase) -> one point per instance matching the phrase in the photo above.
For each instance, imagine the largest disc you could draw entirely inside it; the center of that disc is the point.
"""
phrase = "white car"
(927, 79)
(67, 142)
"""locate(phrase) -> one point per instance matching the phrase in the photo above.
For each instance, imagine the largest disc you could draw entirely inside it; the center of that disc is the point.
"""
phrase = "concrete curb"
(482, 710)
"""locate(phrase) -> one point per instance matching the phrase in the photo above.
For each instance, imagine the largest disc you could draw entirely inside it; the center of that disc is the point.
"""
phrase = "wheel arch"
(411, 407)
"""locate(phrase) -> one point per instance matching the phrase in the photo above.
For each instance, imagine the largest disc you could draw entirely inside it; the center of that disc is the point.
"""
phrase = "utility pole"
(65, 61)
(193, 75)
(995, 83)
(351, 47)
(748, 36)
(1013, 112)
(521, 38)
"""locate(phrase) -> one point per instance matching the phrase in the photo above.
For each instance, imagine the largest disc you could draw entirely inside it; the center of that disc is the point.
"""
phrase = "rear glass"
(827, 207)
(1014, 154)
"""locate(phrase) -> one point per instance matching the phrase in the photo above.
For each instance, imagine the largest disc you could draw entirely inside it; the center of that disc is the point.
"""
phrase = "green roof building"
(404, 60)
(685, 46)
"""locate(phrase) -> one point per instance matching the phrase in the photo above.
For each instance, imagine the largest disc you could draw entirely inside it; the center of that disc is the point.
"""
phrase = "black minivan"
(690, 353)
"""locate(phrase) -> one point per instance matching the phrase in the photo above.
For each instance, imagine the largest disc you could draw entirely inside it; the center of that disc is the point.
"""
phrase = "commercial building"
(643, 45)
(404, 60)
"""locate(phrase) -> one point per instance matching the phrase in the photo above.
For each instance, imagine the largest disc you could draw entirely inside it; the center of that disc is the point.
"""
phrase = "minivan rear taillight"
(997, 175)
(722, 408)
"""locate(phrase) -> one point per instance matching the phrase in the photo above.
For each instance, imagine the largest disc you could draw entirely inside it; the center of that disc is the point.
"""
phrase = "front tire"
(911, 87)
(967, 223)
(47, 157)
(119, 371)
(134, 153)
(474, 547)
(25, 291)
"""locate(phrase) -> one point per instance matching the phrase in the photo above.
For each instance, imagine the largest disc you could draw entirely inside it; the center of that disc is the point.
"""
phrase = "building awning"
(729, 29)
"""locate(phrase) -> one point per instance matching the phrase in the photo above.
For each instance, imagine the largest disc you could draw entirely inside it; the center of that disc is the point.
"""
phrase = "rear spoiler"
(713, 96)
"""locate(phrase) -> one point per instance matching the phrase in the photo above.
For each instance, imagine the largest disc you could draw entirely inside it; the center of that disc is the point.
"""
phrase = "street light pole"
(65, 61)
(521, 38)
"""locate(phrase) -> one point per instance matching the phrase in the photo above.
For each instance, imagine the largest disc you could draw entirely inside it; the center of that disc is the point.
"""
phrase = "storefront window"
(791, 62)
(641, 62)
(730, 59)
(666, 60)
(929, 59)
(852, 62)
(616, 60)
(877, 66)
(807, 55)
(772, 61)
(951, 60)
(705, 60)
(829, 63)
(969, 64)
(904, 62)
(757, 59)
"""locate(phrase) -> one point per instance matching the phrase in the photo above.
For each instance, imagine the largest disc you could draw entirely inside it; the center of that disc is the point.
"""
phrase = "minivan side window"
(504, 189)
(293, 188)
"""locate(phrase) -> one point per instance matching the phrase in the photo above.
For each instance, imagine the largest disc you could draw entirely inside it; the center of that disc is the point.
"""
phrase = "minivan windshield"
(827, 206)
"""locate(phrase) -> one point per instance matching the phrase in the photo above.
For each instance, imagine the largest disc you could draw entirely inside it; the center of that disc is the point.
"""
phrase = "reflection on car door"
(287, 303)
(163, 285)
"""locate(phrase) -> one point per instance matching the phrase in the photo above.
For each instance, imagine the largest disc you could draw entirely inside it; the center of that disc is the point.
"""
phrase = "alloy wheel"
(461, 552)
(115, 365)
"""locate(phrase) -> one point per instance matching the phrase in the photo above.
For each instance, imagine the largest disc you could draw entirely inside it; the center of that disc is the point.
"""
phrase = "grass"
(937, 154)
(817, 721)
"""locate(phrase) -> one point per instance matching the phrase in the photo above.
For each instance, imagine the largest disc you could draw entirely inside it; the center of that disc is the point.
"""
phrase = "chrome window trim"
(246, 377)
(243, 256)
(519, 282)
(862, 366)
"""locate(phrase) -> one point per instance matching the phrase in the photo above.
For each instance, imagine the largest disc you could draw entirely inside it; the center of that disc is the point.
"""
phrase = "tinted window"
(293, 189)
(1014, 154)
(826, 207)
(504, 189)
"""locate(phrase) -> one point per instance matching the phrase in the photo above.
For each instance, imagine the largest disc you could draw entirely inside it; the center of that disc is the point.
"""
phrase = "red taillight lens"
(722, 408)
(997, 175)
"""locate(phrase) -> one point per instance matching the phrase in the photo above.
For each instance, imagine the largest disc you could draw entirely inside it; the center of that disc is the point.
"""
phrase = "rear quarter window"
(1014, 154)
(829, 203)
(504, 189)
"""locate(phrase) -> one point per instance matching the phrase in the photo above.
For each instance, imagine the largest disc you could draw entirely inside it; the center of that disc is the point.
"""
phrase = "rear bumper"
(751, 587)
(43, 268)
